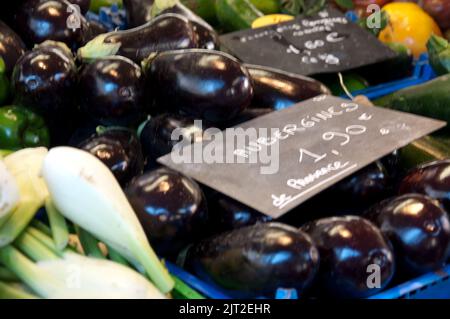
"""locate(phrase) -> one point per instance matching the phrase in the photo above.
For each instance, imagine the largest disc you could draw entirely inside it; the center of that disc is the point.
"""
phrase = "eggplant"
(41, 20)
(156, 135)
(228, 214)
(111, 91)
(277, 89)
(207, 36)
(11, 47)
(432, 179)
(44, 80)
(139, 13)
(119, 149)
(419, 229)
(247, 115)
(255, 261)
(362, 189)
(166, 32)
(349, 247)
(210, 85)
(171, 207)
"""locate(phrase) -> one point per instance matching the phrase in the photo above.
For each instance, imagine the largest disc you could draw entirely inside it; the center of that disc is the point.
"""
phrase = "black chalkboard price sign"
(324, 43)
(277, 161)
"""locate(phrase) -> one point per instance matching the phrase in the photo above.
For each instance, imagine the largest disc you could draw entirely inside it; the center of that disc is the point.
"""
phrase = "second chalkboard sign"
(324, 43)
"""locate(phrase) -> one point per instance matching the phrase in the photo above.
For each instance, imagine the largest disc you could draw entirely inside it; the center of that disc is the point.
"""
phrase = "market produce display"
(86, 110)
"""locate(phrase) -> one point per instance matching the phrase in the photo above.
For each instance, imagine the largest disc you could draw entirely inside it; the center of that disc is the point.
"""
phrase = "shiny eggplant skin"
(163, 33)
(207, 36)
(419, 229)
(247, 115)
(432, 179)
(210, 85)
(156, 136)
(348, 246)
(119, 149)
(277, 89)
(139, 13)
(40, 20)
(171, 207)
(362, 189)
(44, 80)
(11, 47)
(227, 214)
(111, 91)
(255, 261)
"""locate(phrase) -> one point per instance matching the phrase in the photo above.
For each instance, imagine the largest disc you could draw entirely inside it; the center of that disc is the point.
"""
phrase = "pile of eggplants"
(121, 95)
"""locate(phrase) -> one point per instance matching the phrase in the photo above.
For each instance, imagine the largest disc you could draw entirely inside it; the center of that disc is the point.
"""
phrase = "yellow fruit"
(410, 25)
(271, 19)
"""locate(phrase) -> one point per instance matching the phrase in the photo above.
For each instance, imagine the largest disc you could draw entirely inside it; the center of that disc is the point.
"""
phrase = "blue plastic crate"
(422, 73)
(435, 285)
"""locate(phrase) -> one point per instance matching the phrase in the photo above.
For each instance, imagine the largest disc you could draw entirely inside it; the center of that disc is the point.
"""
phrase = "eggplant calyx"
(161, 5)
(97, 48)
(58, 44)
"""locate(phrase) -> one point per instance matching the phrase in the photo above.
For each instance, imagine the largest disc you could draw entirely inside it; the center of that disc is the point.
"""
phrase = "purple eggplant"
(247, 115)
(210, 85)
(362, 189)
(119, 149)
(419, 229)
(156, 136)
(11, 47)
(277, 89)
(139, 13)
(111, 91)
(351, 250)
(255, 261)
(228, 214)
(166, 32)
(432, 179)
(171, 207)
(44, 80)
(207, 36)
(57, 20)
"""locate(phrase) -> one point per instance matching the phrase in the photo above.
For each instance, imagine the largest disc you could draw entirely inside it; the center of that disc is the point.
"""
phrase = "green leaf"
(346, 4)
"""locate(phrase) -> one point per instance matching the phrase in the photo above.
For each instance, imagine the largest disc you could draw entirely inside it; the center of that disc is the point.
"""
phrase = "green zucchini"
(431, 99)
(234, 15)
(427, 149)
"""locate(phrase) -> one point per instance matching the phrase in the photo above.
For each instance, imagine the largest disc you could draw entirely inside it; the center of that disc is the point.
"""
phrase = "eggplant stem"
(10, 291)
(58, 225)
(18, 221)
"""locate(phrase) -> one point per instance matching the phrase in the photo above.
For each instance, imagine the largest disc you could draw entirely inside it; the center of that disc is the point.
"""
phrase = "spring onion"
(85, 191)
(9, 193)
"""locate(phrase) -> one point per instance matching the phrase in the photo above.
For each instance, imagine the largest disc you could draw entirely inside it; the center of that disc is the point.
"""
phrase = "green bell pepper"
(4, 83)
(21, 128)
